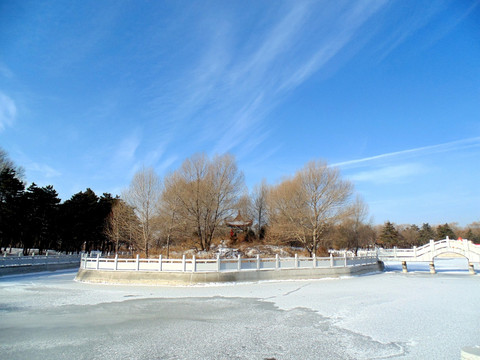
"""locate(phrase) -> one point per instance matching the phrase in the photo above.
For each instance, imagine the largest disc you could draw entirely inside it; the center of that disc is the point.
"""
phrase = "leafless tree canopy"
(244, 206)
(6, 162)
(143, 196)
(173, 224)
(203, 193)
(302, 207)
(354, 232)
(122, 225)
(259, 207)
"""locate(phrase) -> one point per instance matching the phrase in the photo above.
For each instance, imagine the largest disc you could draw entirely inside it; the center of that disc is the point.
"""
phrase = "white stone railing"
(12, 261)
(429, 251)
(220, 265)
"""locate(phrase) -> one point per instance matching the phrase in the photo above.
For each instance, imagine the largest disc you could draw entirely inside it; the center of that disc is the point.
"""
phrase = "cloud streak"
(8, 111)
(338, 37)
(439, 148)
(226, 96)
(124, 154)
(45, 170)
(389, 174)
(5, 71)
(269, 73)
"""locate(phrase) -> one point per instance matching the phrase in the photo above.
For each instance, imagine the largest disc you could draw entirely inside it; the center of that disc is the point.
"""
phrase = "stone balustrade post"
(471, 269)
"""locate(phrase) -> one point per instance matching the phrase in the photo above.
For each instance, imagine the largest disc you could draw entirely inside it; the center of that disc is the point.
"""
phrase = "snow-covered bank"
(408, 316)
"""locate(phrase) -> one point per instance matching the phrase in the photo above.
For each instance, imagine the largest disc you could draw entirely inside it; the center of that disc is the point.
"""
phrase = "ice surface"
(387, 315)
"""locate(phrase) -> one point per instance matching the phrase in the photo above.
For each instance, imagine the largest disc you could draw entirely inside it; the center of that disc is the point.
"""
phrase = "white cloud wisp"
(409, 153)
(8, 111)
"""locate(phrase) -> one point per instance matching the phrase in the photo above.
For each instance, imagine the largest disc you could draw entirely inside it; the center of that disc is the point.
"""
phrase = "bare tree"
(472, 231)
(409, 235)
(206, 192)
(143, 195)
(122, 225)
(259, 205)
(7, 163)
(244, 206)
(303, 207)
(170, 209)
(354, 232)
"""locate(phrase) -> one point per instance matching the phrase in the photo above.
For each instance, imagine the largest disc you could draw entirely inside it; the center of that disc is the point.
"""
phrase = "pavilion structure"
(238, 225)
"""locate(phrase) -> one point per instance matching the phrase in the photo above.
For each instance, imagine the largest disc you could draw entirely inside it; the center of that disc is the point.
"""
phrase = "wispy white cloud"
(5, 71)
(8, 111)
(155, 155)
(409, 26)
(277, 42)
(126, 149)
(226, 96)
(338, 37)
(44, 170)
(166, 163)
(390, 174)
(450, 23)
(99, 22)
(420, 15)
(265, 76)
(409, 153)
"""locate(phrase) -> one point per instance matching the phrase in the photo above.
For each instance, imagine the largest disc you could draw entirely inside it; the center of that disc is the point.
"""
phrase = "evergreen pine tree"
(426, 234)
(42, 210)
(389, 236)
(11, 207)
(443, 231)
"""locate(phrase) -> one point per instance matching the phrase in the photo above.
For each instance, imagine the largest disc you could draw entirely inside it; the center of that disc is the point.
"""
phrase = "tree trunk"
(168, 246)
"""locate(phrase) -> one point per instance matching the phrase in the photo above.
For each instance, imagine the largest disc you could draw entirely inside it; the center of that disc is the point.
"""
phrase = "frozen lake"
(386, 315)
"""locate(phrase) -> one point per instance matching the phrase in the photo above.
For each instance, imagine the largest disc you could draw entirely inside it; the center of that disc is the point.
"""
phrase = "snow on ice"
(387, 315)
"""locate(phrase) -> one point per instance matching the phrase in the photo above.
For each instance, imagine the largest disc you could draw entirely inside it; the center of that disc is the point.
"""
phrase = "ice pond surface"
(388, 315)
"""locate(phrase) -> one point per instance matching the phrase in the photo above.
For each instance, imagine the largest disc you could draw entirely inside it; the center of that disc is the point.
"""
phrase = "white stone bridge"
(428, 252)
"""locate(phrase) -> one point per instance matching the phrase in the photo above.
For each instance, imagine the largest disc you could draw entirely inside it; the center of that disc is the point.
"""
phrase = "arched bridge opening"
(451, 262)
(428, 253)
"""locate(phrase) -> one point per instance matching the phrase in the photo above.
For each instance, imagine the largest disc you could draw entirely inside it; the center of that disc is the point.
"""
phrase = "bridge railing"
(433, 248)
(221, 265)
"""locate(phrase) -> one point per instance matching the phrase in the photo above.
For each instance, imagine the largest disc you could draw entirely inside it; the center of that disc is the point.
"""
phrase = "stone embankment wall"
(188, 278)
(25, 269)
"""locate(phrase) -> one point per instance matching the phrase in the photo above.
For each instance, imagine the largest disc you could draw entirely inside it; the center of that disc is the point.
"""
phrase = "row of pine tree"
(35, 217)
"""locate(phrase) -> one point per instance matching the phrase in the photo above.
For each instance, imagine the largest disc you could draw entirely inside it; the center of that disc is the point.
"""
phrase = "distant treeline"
(407, 236)
(35, 218)
(193, 208)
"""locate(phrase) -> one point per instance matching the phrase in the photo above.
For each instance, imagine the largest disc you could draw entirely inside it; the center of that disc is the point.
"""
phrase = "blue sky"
(389, 91)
